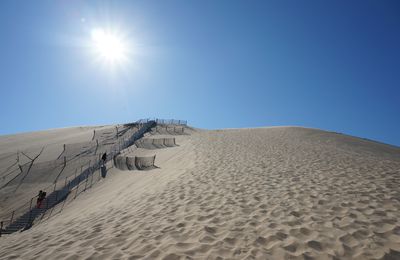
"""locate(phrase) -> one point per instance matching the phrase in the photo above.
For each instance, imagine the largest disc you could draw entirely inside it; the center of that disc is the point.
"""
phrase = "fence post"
(1, 227)
(87, 176)
(77, 187)
(91, 181)
(12, 217)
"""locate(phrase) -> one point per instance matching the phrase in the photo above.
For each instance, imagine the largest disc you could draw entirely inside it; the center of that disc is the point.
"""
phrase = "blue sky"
(333, 65)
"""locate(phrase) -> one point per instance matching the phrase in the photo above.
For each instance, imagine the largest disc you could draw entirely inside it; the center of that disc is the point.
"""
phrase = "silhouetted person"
(41, 197)
(38, 200)
(104, 159)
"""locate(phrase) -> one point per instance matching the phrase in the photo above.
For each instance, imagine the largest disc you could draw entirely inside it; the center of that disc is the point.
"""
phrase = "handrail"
(143, 126)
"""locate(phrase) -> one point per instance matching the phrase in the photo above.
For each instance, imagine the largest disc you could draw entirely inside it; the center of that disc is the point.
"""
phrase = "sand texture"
(266, 193)
(33, 161)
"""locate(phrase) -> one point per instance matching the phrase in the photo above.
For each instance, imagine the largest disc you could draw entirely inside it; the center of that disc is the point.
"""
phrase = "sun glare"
(109, 47)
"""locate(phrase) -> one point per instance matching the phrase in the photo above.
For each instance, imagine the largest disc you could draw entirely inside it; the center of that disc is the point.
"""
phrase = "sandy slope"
(267, 193)
(31, 144)
(47, 145)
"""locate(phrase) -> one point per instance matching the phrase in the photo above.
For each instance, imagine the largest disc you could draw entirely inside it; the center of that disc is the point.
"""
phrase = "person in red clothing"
(40, 198)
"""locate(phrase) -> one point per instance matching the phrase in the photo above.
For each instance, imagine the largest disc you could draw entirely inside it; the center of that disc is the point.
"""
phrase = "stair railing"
(143, 126)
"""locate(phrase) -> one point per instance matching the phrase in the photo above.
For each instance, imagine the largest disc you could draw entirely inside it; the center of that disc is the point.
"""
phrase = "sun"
(109, 47)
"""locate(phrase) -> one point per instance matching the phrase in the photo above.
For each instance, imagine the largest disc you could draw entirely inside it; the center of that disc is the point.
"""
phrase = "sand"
(16, 188)
(266, 193)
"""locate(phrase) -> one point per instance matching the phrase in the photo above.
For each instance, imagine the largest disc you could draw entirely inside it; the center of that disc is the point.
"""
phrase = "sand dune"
(54, 154)
(266, 193)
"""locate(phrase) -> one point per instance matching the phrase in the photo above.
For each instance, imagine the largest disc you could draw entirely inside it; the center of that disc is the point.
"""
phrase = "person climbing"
(104, 159)
(38, 200)
(41, 197)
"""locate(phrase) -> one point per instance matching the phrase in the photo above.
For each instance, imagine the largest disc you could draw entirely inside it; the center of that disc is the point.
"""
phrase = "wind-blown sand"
(266, 193)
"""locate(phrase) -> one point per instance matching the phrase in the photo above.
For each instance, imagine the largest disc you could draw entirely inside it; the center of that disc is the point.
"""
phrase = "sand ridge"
(273, 193)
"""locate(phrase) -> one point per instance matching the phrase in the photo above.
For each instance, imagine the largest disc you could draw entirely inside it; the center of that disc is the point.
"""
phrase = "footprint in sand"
(315, 245)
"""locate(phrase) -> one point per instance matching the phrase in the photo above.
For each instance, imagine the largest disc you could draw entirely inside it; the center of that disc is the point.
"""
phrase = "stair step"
(56, 197)
(14, 229)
